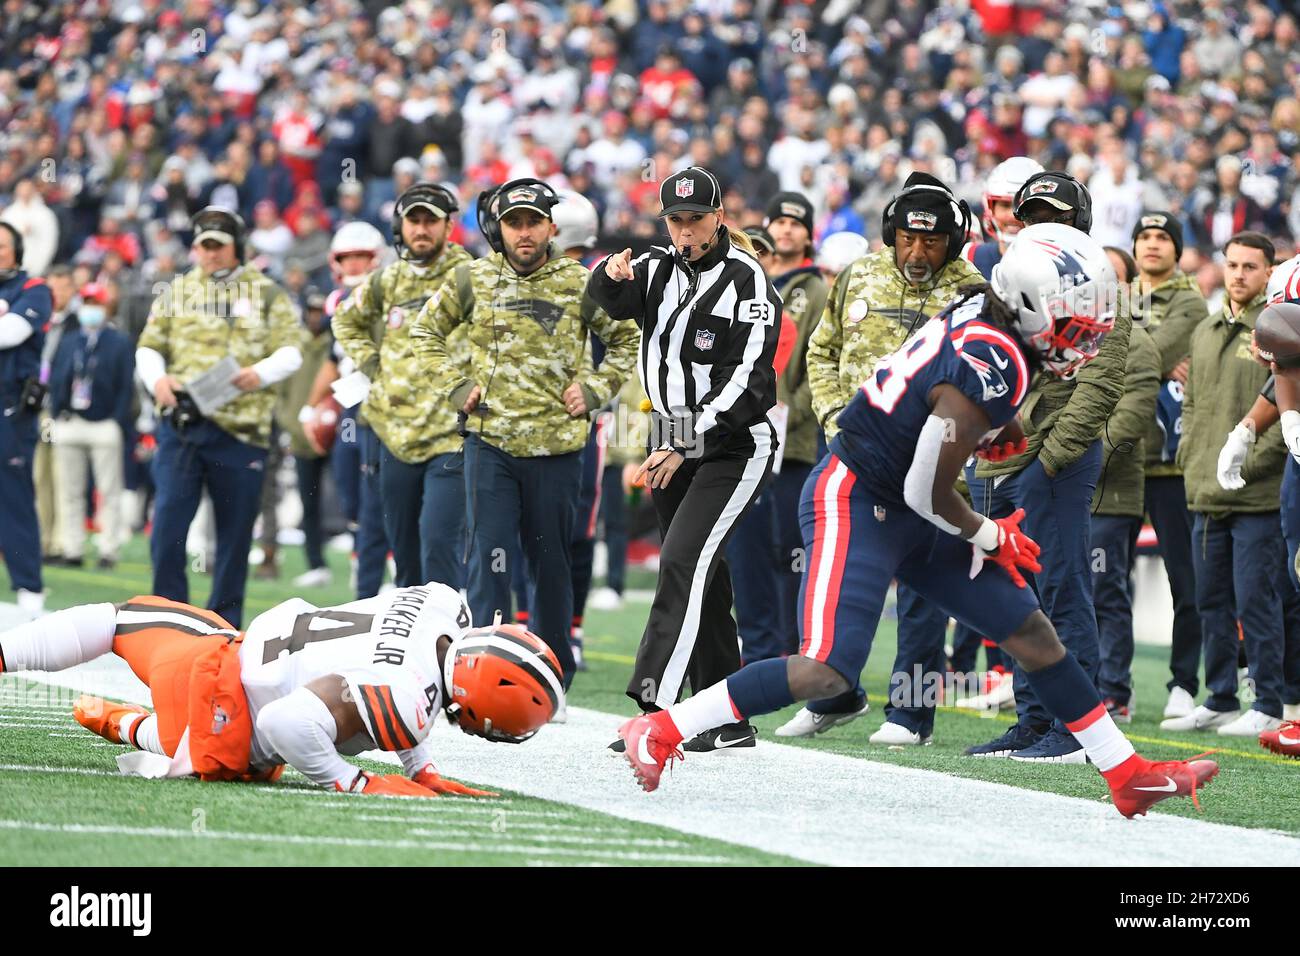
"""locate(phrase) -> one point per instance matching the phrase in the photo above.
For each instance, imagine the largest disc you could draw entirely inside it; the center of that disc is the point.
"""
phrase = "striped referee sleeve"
(746, 392)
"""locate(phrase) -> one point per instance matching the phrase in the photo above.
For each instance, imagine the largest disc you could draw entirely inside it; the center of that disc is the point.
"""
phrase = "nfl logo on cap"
(685, 188)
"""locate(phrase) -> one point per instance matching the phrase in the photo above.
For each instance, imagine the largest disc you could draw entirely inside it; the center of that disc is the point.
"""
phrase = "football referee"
(709, 322)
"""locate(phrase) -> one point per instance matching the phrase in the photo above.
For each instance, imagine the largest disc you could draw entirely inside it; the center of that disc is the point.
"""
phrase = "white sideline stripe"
(508, 823)
(302, 839)
(815, 806)
(75, 771)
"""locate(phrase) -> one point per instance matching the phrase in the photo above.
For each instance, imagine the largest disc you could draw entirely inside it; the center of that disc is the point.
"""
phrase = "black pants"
(310, 473)
(1166, 500)
(690, 633)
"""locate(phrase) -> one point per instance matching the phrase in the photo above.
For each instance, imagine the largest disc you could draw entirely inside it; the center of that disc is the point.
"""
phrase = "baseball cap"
(1055, 190)
(534, 195)
(761, 238)
(694, 189)
(424, 196)
(216, 224)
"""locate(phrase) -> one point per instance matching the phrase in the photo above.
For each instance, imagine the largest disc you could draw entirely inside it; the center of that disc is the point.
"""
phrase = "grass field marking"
(609, 658)
(76, 771)
(302, 839)
(495, 822)
(36, 724)
(649, 842)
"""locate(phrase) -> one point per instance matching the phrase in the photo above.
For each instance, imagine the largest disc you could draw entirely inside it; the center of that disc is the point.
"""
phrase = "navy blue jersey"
(880, 427)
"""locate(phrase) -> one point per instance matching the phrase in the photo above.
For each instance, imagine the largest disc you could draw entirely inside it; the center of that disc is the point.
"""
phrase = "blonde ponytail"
(741, 241)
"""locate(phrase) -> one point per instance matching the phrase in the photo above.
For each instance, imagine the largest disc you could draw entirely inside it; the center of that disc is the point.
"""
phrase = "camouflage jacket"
(803, 291)
(1063, 417)
(197, 321)
(373, 327)
(872, 307)
(528, 343)
(1121, 486)
(1176, 308)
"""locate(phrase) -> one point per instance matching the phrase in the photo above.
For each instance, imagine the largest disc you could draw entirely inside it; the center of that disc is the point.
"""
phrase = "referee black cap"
(694, 189)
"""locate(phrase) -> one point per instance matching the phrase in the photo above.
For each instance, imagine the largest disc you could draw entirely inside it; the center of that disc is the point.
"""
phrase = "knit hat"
(1166, 223)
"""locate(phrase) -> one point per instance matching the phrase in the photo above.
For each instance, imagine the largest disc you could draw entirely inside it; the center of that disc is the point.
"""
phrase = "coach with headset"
(710, 321)
(25, 307)
(421, 474)
(525, 394)
(221, 308)
(875, 304)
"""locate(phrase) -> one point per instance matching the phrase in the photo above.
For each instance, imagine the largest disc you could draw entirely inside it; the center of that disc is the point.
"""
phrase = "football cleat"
(1018, 737)
(1153, 782)
(104, 717)
(896, 735)
(503, 683)
(723, 738)
(1284, 740)
(646, 751)
(806, 723)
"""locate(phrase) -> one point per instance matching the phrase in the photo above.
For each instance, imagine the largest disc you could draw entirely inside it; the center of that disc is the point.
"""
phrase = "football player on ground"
(303, 685)
(881, 506)
(1277, 344)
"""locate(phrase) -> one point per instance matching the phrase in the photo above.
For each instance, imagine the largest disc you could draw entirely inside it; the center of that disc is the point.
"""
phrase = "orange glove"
(386, 785)
(430, 779)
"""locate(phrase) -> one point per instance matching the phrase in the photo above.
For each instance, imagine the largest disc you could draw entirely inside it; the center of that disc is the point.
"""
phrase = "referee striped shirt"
(709, 331)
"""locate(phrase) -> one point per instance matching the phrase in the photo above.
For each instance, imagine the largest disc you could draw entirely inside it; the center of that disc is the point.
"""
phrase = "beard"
(527, 262)
(918, 273)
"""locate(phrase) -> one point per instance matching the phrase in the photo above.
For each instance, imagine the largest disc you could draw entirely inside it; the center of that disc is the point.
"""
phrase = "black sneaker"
(727, 737)
(106, 564)
(1017, 738)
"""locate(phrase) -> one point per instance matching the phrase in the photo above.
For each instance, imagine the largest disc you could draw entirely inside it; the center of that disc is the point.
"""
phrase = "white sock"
(1102, 740)
(147, 736)
(709, 708)
(61, 639)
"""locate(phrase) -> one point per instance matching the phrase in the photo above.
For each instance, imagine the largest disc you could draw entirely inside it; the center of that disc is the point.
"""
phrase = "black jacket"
(708, 336)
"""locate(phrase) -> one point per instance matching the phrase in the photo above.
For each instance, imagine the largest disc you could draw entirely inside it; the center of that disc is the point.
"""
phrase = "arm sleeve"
(748, 382)
(438, 317)
(621, 300)
(149, 366)
(824, 358)
(417, 758)
(279, 365)
(1099, 387)
(351, 326)
(621, 343)
(918, 486)
(301, 730)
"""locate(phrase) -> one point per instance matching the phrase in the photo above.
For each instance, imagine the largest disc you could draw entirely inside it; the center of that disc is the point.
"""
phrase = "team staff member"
(220, 307)
(527, 392)
(875, 304)
(1172, 308)
(421, 477)
(25, 307)
(1054, 481)
(710, 321)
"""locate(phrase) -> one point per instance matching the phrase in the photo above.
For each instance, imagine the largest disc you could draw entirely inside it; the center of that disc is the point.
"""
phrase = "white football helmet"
(839, 250)
(1003, 183)
(575, 220)
(355, 237)
(1063, 289)
(1284, 283)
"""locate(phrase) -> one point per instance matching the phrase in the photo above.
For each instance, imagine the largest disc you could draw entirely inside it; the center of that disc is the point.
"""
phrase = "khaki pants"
(47, 495)
(78, 443)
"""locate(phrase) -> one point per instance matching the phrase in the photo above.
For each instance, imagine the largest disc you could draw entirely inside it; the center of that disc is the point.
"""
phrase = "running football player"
(303, 685)
(881, 506)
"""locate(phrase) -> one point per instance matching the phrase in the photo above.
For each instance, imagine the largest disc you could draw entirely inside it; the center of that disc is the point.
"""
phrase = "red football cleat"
(1154, 782)
(646, 751)
(1284, 740)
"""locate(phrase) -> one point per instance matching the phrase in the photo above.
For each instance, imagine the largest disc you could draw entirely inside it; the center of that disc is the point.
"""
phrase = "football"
(1277, 334)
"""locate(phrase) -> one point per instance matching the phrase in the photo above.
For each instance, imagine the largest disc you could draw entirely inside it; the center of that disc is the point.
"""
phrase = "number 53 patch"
(756, 312)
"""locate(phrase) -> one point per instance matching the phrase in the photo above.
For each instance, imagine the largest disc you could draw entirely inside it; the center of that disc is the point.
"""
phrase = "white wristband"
(987, 537)
(1291, 432)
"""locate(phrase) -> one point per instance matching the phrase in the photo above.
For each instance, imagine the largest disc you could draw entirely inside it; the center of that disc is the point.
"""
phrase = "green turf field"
(79, 811)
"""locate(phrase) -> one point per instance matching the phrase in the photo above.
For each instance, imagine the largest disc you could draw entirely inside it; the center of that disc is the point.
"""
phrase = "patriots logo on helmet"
(522, 194)
(925, 221)
(1043, 186)
(685, 188)
(1066, 263)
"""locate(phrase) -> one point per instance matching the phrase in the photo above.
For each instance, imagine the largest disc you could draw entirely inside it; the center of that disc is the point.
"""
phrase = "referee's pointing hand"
(619, 267)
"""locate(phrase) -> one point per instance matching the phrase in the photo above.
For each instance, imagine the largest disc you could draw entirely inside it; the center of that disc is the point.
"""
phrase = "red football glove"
(1001, 451)
(386, 785)
(1015, 550)
(430, 779)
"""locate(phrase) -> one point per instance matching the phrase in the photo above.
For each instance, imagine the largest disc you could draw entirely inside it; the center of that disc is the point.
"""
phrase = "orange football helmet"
(503, 683)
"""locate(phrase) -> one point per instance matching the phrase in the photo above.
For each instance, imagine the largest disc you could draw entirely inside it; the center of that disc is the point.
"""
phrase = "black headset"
(227, 220)
(486, 208)
(18, 244)
(434, 193)
(1082, 212)
(961, 223)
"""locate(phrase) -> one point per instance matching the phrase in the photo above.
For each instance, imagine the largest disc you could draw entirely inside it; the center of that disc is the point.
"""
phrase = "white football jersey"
(384, 647)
